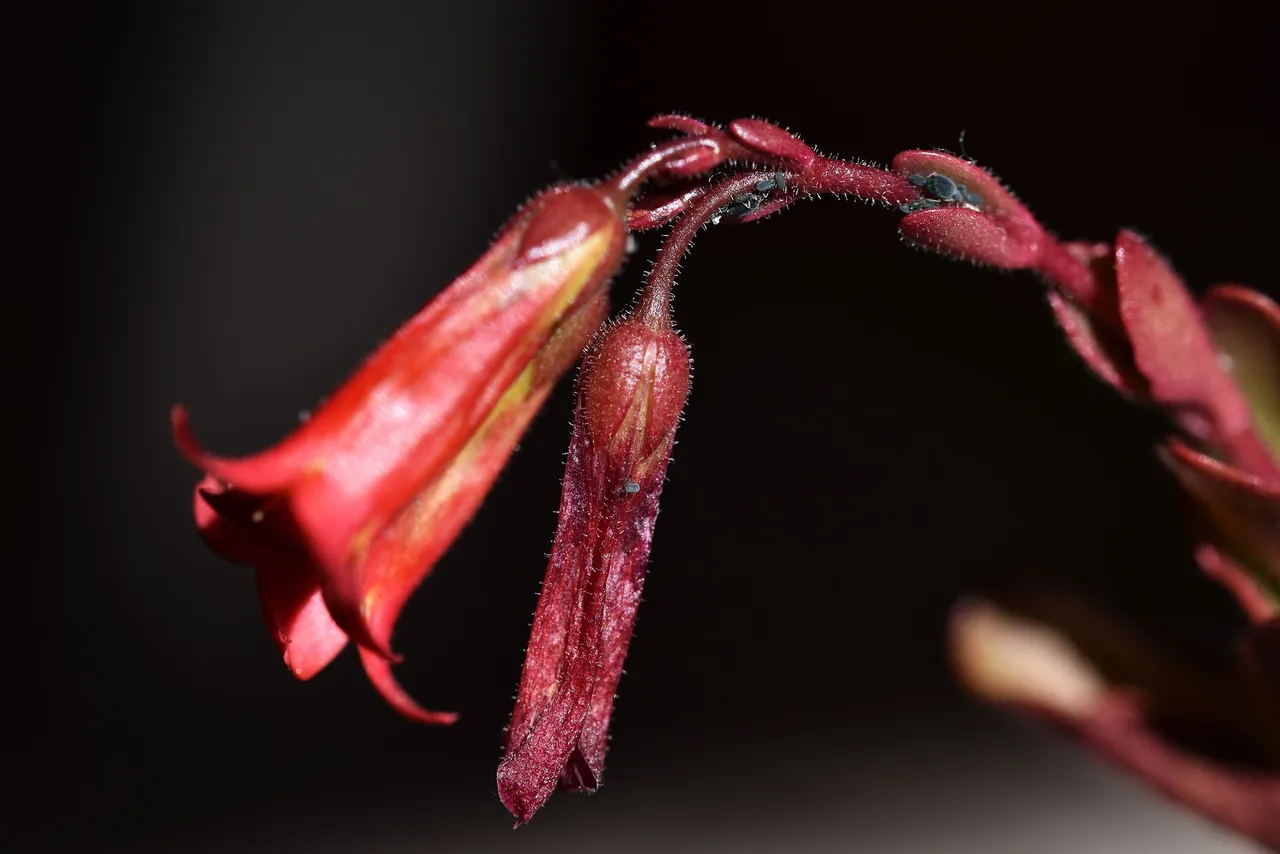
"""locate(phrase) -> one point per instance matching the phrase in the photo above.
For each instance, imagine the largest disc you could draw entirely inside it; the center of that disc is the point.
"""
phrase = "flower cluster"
(343, 519)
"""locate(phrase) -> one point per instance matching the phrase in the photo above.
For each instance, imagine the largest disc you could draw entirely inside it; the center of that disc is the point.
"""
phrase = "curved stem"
(687, 155)
(654, 308)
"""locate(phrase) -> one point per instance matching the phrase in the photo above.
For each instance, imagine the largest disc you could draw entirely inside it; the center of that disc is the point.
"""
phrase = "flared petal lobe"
(631, 390)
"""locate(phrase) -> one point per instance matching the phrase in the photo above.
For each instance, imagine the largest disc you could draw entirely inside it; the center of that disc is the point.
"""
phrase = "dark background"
(229, 204)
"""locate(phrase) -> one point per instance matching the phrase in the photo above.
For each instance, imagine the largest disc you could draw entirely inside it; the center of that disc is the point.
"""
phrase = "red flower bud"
(344, 518)
(974, 217)
(631, 390)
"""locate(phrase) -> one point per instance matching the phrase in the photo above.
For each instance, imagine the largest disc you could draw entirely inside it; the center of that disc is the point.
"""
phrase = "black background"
(229, 204)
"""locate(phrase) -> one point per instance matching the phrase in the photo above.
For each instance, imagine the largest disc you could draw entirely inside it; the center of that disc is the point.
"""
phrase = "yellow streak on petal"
(573, 269)
(496, 435)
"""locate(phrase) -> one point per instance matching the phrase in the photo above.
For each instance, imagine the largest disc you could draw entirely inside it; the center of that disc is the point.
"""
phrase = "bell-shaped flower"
(346, 516)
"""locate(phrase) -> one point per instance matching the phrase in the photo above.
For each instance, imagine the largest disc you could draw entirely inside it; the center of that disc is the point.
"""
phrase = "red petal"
(225, 535)
(288, 589)
(421, 398)
(1108, 356)
(298, 619)
(1172, 347)
(270, 471)
(969, 235)
(378, 670)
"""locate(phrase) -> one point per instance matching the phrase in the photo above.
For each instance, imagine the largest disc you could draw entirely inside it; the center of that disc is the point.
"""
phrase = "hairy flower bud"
(631, 390)
(634, 389)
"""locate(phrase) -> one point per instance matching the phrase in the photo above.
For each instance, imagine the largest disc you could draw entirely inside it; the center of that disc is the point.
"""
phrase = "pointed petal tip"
(378, 669)
(266, 472)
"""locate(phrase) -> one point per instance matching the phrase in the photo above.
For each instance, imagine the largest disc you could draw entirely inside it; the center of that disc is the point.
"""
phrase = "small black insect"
(740, 206)
(750, 201)
(941, 189)
(777, 182)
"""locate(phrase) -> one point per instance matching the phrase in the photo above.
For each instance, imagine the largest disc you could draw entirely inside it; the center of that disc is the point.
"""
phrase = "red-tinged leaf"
(771, 140)
(660, 207)
(696, 160)
(1172, 347)
(1246, 329)
(684, 124)
(1242, 509)
(969, 235)
(270, 471)
(1108, 355)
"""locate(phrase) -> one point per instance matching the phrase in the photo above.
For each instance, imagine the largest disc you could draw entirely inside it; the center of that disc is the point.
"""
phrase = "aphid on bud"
(750, 201)
(940, 188)
(631, 488)
(777, 182)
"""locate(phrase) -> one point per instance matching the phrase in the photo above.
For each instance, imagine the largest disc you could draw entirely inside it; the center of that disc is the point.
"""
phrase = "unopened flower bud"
(634, 384)
(631, 390)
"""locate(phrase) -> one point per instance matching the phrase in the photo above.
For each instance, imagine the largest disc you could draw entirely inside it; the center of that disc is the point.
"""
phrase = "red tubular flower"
(345, 517)
(631, 390)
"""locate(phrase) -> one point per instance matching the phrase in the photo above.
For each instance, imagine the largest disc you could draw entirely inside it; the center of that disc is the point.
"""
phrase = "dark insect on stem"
(940, 189)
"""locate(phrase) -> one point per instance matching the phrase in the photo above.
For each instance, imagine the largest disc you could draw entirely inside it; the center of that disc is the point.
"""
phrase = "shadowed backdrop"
(231, 203)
